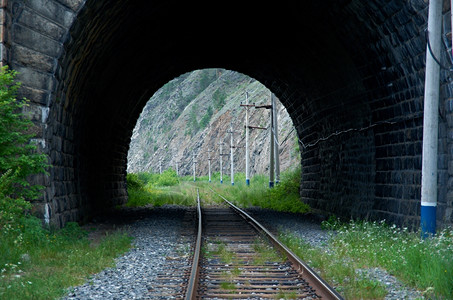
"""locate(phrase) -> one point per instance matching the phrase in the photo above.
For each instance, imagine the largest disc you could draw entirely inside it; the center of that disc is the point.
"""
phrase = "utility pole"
(247, 168)
(232, 153)
(209, 163)
(194, 163)
(160, 165)
(271, 150)
(272, 144)
(176, 161)
(221, 166)
(275, 134)
(247, 174)
(431, 121)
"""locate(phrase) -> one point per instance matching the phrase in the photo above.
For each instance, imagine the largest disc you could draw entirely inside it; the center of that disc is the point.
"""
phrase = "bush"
(167, 178)
(18, 157)
(16, 152)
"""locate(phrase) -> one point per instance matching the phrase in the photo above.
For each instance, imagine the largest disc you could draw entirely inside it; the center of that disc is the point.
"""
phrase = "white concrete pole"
(194, 163)
(247, 171)
(221, 166)
(160, 166)
(430, 121)
(209, 164)
(231, 154)
(275, 133)
(271, 152)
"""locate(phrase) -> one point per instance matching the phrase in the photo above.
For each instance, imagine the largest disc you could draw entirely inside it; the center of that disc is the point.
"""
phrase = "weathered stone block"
(35, 41)
(33, 59)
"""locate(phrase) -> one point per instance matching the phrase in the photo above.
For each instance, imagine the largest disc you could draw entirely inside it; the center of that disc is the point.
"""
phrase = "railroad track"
(234, 259)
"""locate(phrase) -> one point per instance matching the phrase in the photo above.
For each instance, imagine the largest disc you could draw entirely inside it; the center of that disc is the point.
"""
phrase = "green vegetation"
(206, 118)
(219, 98)
(35, 262)
(159, 189)
(148, 189)
(424, 264)
(18, 157)
(283, 197)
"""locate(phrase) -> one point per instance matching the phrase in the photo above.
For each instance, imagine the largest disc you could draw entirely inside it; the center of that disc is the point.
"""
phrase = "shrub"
(167, 178)
(16, 151)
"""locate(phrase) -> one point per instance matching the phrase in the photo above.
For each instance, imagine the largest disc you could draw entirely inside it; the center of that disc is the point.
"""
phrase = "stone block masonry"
(89, 67)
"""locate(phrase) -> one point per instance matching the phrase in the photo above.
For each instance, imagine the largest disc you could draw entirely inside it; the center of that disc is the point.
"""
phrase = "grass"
(283, 197)
(37, 263)
(426, 265)
(147, 189)
(159, 189)
(265, 253)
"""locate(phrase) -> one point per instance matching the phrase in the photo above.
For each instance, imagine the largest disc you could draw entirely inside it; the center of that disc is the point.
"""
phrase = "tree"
(206, 118)
(18, 157)
(219, 99)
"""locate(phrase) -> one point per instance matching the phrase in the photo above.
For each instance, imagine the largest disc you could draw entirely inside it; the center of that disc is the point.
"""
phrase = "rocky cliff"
(193, 114)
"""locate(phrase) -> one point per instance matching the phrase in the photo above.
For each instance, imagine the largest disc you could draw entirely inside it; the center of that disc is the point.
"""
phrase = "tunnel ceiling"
(120, 52)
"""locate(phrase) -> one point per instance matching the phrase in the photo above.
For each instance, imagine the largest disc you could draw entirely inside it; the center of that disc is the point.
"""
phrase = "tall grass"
(36, 263)
(147, 189)
(282, 197)
(423, 264)
(159, 189)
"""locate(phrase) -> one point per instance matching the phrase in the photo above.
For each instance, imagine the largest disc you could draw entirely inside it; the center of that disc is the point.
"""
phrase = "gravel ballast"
(309, 229)
(157, 237)
(159, 242)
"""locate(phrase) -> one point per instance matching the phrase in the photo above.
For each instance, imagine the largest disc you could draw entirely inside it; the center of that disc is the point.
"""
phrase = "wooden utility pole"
(431, 121)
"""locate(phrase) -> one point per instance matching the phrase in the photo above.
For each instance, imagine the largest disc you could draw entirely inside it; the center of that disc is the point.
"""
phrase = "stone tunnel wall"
(356, 99)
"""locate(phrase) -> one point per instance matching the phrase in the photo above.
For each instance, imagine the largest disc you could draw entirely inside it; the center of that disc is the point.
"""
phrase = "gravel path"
(157, 237)
(310, 231)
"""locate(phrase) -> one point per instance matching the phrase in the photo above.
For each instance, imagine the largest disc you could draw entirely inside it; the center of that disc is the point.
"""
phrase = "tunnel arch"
(352, 67)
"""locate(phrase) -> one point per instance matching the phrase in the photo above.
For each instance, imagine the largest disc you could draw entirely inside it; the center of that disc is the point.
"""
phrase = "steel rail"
(323, 289)
(193, 279)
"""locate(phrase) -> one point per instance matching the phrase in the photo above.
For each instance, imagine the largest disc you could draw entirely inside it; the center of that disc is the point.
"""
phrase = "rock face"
(193, 114)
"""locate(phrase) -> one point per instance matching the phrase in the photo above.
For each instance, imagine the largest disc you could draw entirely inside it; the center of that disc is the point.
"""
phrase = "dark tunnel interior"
(350, 67)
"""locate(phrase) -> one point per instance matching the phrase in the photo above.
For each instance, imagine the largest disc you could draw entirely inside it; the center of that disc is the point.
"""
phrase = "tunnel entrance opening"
(89, 67)
(194, 113)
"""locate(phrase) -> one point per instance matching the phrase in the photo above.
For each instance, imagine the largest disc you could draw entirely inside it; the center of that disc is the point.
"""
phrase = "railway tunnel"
(350, 74)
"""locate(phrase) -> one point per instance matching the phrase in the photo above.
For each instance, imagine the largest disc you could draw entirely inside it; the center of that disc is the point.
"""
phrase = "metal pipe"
(431, 122)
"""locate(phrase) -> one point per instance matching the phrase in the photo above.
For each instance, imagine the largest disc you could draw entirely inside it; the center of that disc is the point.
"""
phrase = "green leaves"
(18, 157)
(16, 152)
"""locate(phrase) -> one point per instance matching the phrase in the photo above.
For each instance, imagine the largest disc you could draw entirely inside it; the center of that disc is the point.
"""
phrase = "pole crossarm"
(256, 127)
(266, 106)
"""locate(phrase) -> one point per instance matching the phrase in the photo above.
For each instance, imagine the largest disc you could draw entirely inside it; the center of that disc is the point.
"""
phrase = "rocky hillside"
(193, 114)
